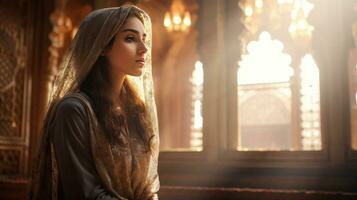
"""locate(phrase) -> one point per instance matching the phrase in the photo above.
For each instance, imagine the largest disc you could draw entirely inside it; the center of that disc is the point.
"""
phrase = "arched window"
(278, 79)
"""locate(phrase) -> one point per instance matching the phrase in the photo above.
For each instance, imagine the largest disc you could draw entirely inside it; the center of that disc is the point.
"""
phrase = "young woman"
(100, 135)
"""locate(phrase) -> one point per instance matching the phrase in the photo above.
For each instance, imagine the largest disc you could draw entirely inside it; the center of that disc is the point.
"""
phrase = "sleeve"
(77, 172)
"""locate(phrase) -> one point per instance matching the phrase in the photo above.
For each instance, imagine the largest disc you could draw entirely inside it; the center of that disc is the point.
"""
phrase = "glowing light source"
(265, 62)
(259, 3)
(177, 19)
(197, 119)
(310, 104)
(299, 26)
(248, 11)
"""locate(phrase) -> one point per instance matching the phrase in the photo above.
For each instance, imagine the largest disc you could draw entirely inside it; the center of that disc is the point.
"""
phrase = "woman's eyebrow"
(133, 30)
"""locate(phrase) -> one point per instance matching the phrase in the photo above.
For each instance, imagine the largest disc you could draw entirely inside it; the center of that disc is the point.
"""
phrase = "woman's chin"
(138, 72)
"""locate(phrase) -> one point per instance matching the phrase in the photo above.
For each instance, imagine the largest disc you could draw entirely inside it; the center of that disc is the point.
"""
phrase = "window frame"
(336, 161)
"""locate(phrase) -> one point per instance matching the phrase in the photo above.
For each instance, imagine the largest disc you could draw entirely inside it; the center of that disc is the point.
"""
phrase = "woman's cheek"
(130, 49)
(116, 60)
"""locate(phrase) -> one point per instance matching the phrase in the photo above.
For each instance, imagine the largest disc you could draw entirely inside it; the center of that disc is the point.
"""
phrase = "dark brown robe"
(86, 166)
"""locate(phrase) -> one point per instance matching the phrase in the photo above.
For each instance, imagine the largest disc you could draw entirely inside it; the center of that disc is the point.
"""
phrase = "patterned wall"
(13, 134)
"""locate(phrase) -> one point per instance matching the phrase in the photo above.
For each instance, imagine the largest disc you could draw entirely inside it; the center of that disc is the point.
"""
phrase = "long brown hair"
(134, 114)
(82, 69)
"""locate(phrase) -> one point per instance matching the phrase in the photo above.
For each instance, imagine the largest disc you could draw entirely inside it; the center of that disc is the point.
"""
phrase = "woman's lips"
(141, 61)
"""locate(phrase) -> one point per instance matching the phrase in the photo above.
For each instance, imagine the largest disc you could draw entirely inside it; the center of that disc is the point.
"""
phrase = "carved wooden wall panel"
(13, 80)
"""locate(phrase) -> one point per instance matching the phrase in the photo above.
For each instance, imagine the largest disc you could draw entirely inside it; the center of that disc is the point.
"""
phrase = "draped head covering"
(93, 36)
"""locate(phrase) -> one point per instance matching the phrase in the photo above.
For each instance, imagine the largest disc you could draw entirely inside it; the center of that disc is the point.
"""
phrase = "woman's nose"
(143, 49)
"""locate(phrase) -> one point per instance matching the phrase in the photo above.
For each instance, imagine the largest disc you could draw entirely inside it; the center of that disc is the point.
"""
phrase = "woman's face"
(127, 55)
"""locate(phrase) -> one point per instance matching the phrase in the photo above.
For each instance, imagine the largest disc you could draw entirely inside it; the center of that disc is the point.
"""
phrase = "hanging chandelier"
(299, 28)
(177, 18)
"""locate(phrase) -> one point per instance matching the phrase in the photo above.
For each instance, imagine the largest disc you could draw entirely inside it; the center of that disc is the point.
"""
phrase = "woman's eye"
(130, 39)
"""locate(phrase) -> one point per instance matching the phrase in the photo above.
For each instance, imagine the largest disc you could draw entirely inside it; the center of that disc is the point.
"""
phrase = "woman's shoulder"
(73, 104)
